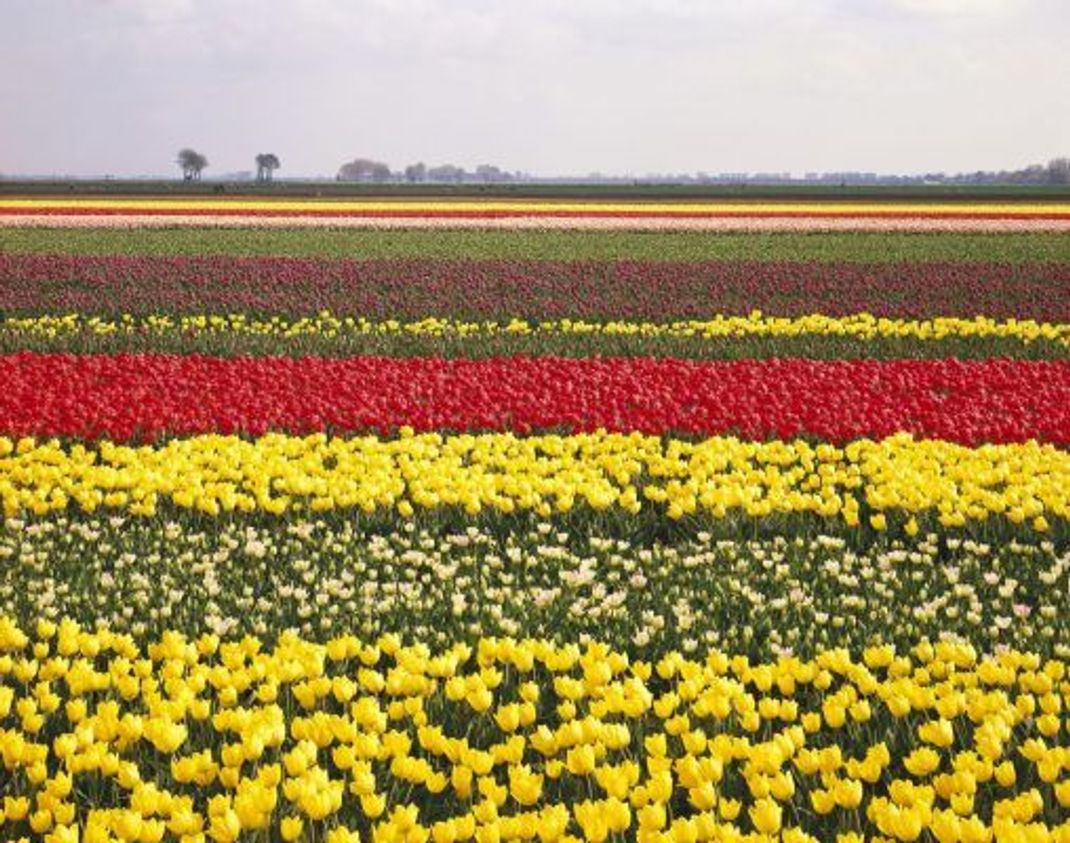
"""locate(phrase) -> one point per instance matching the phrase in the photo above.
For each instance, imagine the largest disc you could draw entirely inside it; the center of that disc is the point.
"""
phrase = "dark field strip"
(224, 343)
(885, 247)
(124, 188)
(478, 289)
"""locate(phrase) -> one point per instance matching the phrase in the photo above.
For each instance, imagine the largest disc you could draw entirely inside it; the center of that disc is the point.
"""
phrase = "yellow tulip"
(765, 815)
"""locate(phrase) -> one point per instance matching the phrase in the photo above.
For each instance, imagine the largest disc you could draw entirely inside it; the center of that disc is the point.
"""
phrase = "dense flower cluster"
(521, 530)
(891, 482)
(128, 397)
(201, 737)
(658, 290)
(548, 579)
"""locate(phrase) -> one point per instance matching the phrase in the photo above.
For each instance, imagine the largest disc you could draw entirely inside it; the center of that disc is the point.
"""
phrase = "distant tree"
(364, 169)
(1033, 174)
(266, 164)
(446, 172)
(416, 172)
(1059, 171)
(489, 173)
(191, 162)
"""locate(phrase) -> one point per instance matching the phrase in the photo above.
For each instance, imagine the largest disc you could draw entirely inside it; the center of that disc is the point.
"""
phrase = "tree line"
(1056, 172)
(193, 163)
(368, 170)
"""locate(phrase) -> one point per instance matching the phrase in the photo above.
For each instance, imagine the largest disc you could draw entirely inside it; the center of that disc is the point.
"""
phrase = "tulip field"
(512, 520)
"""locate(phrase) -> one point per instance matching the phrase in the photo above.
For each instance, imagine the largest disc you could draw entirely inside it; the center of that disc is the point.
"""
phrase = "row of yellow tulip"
(198, 739)
(862, 326)
(897, 478)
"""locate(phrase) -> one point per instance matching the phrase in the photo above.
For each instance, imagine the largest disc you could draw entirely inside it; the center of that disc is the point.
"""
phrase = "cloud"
(551, 86)
(958, 8)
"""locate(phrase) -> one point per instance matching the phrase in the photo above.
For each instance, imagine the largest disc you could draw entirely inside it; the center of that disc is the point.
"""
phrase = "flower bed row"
(644, 290)
(545, 245)
(353, 739)
(752, 337)
(554, 579)
(896, 482)
(862, 326)
(548, 208)
(143, 397)
(798, 224)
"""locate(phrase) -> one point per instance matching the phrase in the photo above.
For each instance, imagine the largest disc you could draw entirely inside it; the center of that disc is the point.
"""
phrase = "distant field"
(779, 484)
(830, 192)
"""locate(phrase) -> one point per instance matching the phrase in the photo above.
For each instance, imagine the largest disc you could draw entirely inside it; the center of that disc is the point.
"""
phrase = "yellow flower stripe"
(210, 739)
(298, 206)
(861, 326)
(504, 472)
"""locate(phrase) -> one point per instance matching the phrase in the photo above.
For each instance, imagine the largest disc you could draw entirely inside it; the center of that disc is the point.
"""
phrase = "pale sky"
(90, 87)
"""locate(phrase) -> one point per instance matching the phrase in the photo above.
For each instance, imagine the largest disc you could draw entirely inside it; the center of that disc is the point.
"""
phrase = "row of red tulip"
(142, 397)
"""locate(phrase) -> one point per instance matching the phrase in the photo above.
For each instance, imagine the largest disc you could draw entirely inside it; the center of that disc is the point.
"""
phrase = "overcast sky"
(92, 87)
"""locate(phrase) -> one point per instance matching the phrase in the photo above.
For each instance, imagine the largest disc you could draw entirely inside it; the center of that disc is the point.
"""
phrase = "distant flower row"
(134, 220)
(536, 207)
(466, 288)
(710, 216)
(861, 326)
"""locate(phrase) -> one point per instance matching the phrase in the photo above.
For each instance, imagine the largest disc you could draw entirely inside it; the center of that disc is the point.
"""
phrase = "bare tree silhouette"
(266, 164)
(191, 162)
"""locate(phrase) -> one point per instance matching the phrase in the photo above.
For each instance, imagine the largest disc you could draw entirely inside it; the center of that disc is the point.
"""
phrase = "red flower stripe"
(141, 397)
(501, 289)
